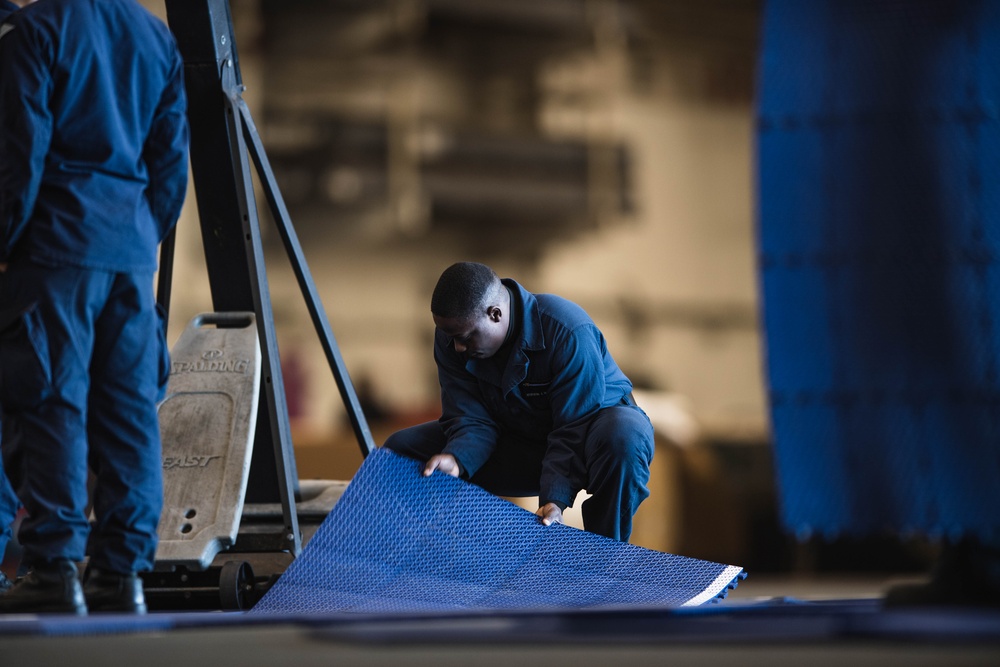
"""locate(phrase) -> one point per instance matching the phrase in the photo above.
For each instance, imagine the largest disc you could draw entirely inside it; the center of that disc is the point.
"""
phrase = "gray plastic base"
(207, 423)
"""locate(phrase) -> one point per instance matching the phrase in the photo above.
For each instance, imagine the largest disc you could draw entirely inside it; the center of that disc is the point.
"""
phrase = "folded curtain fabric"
(879, 235)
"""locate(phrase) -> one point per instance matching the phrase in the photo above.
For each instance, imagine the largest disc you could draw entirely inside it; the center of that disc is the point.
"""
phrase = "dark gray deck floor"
(829, 621)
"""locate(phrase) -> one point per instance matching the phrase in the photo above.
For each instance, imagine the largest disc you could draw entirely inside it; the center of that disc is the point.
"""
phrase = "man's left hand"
(550, 513)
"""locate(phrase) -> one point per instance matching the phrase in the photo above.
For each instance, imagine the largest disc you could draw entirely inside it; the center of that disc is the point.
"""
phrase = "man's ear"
(494, 313)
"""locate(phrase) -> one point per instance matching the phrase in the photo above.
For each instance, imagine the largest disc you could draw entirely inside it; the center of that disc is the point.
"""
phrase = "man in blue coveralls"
(532, 403)
(8, 499)
(93, 171)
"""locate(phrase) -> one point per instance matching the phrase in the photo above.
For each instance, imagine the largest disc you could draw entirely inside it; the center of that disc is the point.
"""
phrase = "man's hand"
(3, 267)
(446, 463)
(549, 514)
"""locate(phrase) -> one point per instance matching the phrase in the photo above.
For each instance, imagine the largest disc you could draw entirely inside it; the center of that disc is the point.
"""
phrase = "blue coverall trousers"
(83, 363)
(618, 449)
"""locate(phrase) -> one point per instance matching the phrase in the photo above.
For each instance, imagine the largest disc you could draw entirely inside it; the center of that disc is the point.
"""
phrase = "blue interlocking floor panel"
(399, 542)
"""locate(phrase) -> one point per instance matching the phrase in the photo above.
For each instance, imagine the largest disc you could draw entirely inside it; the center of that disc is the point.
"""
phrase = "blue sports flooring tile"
(399, 542)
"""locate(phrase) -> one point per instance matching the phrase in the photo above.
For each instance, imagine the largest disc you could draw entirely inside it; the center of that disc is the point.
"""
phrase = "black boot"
(111, 591)
(966, 574)
(52, 587)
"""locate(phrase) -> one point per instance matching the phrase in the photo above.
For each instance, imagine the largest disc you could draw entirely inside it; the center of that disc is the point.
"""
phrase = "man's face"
(476, 337)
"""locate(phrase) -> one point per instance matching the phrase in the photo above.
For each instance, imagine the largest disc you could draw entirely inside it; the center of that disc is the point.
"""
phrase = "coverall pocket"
(536, 395)
(25, 368)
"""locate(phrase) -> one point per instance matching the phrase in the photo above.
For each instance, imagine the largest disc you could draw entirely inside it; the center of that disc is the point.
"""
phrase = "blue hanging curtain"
(879, 254)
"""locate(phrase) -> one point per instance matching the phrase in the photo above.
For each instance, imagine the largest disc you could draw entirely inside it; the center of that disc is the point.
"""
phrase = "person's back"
(91, 104)
(93, 172)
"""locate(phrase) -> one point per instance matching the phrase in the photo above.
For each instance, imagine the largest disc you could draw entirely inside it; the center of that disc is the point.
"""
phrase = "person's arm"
(576, 394)
(165, 152)
(25, 127)
(470, 430)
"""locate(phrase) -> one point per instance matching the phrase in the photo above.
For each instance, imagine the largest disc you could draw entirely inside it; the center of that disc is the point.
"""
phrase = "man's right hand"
(446, 463)
(549, 514)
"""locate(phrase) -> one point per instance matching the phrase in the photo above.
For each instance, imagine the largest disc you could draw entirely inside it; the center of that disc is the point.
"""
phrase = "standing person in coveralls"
(532, 403)
(9, 503)
(93, 172)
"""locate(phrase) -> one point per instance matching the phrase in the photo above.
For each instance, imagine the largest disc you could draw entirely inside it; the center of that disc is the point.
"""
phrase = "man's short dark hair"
(463, 290)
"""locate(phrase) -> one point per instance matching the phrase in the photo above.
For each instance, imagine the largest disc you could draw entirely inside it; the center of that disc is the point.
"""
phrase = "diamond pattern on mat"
(397, 541)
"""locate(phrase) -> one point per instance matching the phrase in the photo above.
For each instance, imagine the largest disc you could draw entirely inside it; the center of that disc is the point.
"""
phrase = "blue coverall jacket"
(100, 173)
(558, 375)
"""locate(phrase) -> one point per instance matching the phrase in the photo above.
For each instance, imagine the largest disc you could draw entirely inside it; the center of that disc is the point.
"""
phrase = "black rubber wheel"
(235, 583)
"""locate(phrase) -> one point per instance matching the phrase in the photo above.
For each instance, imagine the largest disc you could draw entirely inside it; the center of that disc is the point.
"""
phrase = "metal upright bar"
(164, 278)
(271, 378)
